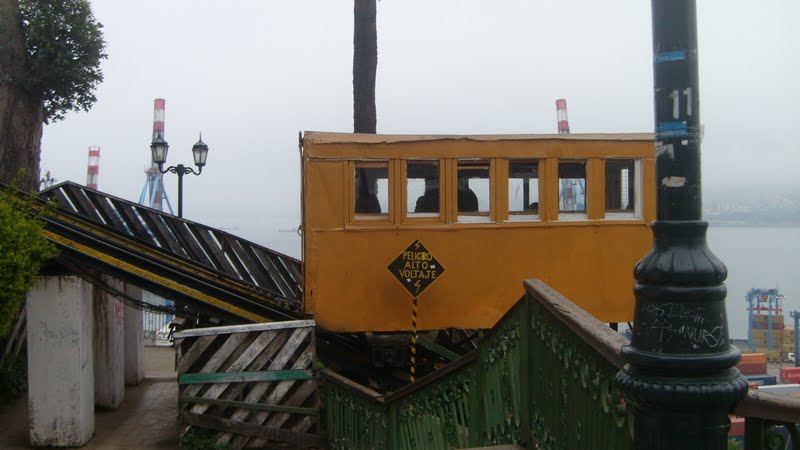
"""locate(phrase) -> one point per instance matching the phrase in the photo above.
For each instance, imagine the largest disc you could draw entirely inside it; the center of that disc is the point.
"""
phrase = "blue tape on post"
(677, 55)
(671, 130)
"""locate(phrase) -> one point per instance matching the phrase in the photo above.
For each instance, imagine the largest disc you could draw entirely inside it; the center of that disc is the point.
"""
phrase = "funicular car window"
(371, 189)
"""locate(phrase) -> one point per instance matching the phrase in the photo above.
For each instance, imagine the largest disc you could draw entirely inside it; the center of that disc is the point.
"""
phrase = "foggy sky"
(251, 74)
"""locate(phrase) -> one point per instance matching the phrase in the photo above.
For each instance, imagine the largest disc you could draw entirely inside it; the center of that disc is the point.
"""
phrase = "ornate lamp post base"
(680, 376)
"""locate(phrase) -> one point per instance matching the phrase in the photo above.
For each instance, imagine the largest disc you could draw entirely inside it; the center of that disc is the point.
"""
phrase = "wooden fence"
(250, 385)
(12, 343)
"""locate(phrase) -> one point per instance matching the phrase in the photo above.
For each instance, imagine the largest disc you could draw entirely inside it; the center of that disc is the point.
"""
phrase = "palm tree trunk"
(365, 64)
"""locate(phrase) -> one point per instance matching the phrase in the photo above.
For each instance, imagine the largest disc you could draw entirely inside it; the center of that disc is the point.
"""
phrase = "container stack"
(754, 368)
(788, 340)
(767, 332)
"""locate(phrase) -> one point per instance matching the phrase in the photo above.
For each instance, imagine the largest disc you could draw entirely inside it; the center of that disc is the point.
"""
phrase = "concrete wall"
(60, 363)
(134, 339)
(109, 347)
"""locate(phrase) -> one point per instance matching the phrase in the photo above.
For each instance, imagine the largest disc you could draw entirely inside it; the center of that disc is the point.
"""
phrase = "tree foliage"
(64, 47)
(23, 249)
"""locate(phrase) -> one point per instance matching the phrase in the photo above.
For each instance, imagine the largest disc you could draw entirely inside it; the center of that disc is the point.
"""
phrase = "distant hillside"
(761, 206)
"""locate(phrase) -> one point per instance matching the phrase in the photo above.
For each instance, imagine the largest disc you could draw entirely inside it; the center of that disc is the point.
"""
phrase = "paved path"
(146, 419)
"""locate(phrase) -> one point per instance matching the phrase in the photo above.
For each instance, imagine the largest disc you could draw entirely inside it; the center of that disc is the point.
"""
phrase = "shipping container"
(790, 375)
(765, 334)
(773, 355)
(752, 368)
(754, 358)
(761, 380)
(766, 317)
(776, 325)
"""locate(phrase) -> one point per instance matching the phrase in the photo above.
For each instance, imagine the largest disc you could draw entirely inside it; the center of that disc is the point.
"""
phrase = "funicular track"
(227, 279)
(206, 269)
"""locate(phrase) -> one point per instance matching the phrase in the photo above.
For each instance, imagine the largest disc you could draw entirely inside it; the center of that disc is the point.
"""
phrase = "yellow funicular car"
(460, 221)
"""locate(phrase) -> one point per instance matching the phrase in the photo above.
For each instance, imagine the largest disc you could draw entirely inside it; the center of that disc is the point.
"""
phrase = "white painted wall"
(60, 362)
(134, 339)
(109, 347)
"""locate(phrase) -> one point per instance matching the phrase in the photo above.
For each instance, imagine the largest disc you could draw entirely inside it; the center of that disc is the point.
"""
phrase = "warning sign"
(416, 268)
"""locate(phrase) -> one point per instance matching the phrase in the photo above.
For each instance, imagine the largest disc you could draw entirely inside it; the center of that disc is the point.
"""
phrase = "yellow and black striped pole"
(413, 368)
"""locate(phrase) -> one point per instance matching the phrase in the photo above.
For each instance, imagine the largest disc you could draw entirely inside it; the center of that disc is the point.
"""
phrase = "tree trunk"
(21, 111)
(365, 64)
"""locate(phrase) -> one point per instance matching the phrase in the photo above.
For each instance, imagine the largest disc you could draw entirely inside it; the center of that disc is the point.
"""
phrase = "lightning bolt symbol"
(416, 245)
(416, 285)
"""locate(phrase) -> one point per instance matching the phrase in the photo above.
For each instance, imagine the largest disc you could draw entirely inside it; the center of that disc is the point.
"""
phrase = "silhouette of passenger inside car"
(533, 207)
(428, 202)
(366, 200)
(467, 200)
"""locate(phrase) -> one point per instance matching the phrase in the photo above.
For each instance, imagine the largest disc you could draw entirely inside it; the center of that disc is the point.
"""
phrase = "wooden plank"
(234, 391)
(63, 201)
(304, 424)
(351, 385)
(212, 249)
(12, 337)
(770, 407)
(216, 361)
(162, 233)
(277, 281)
(133, 221)
(110, 215)
(225, 242)
(21, 339)
(289, 269)
(255, 348)
(259, 389)
(188, 359)
(298, 440)
(307, 422)
(281, 266)
(181, 229)
(249, 259)
(82, 204)
(287, 324)
(306, 389)
(173, 226)
(244, 377)
(280, 391)
(301, 426)
(254, 406)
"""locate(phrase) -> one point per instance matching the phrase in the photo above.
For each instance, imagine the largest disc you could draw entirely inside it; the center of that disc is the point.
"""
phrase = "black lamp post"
(680, 376)
(159, 149)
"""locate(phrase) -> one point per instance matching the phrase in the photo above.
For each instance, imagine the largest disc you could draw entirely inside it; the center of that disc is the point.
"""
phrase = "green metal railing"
(575, 402)
(533, 380)
(355, 417)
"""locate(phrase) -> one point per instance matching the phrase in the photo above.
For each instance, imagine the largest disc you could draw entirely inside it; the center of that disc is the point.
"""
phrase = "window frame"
(523, 216)
(370, 218)
(636, 212)
(410, 216)
(577, 215)
(477, 217)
